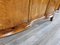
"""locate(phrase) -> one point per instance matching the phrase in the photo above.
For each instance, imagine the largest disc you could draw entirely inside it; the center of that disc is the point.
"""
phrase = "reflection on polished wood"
(14, 30)
(12, 13)
(52, 6)
(15, 12)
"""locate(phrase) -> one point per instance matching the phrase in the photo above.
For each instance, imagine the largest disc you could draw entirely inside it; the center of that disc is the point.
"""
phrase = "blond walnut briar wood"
(52, 6)
(15, 15)
(13, 12)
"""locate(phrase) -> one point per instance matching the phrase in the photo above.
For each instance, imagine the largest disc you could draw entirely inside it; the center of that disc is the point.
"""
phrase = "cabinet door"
(13, 12)
(37, 8)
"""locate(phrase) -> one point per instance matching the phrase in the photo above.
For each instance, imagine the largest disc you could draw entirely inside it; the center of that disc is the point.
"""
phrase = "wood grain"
(37, 8)
(16, 14)
(14, 30)
(52, 6)
(13, 12)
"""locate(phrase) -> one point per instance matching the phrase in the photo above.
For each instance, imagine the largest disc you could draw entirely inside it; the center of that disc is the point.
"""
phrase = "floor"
(42, 32)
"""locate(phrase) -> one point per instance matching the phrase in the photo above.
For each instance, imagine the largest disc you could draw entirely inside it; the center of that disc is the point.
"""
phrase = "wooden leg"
(51, 19)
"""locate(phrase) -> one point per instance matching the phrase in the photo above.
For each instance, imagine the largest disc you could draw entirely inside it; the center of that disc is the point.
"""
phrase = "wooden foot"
(51, 19)
(14, 30)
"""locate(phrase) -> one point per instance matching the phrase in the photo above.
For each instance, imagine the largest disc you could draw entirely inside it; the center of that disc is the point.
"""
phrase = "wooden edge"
(22, 27)
(9, 32)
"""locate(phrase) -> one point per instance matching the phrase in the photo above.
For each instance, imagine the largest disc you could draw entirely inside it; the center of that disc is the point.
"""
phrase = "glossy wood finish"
(52, 6)
(13, 12)
(37, 8)
(57, 4)
(19, 13)
(43, 7)
(33, 9)
(14, 30)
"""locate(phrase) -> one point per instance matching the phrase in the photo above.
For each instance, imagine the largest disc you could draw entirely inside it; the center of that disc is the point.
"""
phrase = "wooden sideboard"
(22, 12)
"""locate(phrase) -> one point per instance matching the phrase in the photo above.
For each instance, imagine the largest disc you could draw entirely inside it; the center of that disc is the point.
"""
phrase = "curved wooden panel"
(15, 15)
(33, 9)
(13, 12)
(52, 6)
(43, 7)
(37, 8)
(14, 30)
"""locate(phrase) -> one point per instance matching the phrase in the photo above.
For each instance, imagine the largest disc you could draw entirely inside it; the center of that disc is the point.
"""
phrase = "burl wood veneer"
(12, 14)
(15, 15)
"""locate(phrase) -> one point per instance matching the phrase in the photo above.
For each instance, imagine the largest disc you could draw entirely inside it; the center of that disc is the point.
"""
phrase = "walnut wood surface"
(14, 30)
(16, 12)
(13, 12)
